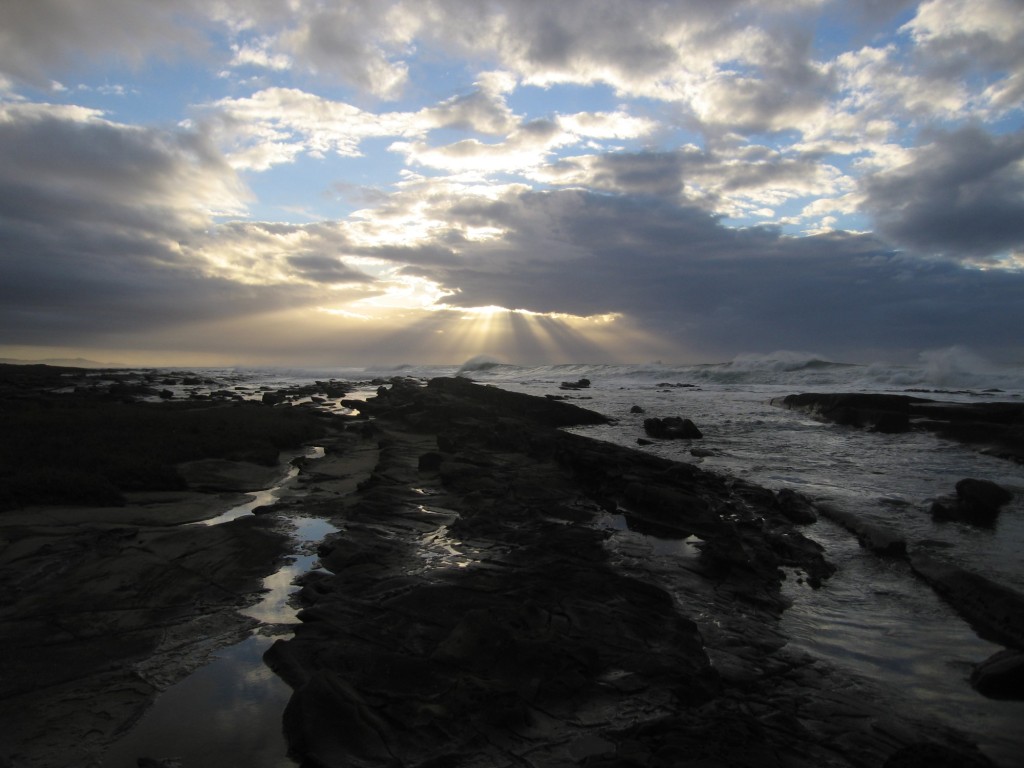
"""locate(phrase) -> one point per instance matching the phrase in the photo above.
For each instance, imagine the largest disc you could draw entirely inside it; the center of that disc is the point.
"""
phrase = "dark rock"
(498, 620)
(672, 428)
(976, 502)
(873, 536)
(929, 755)
(166, 394)
(636, 409)
(796, 507)
(1001, 676)
(982, 494)
(996, 612)
(993, 428)
(273, 398)
(877, 412)
(579, 384)
(430, 461)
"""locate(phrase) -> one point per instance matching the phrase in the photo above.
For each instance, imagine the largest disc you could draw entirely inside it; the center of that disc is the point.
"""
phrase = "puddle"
(275, 606)
(227, 713)
(635, 533)
(439, 550)
(270, 495)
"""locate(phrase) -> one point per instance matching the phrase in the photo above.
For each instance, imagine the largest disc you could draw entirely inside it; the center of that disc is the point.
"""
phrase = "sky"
(305, 182)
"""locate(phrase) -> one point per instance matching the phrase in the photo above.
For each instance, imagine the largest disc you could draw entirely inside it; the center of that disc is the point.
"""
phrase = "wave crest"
(479, 363)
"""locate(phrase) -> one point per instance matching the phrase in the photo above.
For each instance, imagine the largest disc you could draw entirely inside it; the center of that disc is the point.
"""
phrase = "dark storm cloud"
(651, 173)
(95, 220)
(963, 195)
(325, 269)
(679, 272)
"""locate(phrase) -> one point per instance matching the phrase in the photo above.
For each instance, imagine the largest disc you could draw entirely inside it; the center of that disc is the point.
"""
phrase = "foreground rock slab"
(505, 594)
(96, 618)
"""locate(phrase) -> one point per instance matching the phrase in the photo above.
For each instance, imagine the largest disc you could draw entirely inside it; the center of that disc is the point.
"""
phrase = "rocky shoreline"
(500, 592)
(498, 595)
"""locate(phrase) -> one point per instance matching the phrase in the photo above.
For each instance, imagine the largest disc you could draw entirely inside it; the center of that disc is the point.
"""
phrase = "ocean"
(873, 618)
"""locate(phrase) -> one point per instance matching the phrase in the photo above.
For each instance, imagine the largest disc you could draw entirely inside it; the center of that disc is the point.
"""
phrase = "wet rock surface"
(994, 428)
(499, 593)
(1001, 676)
(107, 599)
(502, 593)
(672, 428)
(976, 502)
(995, 611)
(96, 619)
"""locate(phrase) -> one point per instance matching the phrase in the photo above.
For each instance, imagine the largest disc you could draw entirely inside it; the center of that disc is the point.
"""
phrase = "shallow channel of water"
(228, 713)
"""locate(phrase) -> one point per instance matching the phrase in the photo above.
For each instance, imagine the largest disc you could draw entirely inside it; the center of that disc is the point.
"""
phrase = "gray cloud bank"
(114, 235)
(101, 240)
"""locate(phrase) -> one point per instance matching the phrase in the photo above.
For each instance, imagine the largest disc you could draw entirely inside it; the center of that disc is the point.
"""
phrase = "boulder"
(578, 384)
(982, 494)
(796, 507)
(1001, 676)
(875, 412)
(976, 502)
(672, 428)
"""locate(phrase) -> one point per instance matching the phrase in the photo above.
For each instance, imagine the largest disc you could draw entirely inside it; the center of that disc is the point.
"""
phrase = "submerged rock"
(995, 611)
(1001, 676)
(579, 384)
(672, 428)
(796, 507)
(877, 412)
(993, 428)
(877, 537)
(976, 502)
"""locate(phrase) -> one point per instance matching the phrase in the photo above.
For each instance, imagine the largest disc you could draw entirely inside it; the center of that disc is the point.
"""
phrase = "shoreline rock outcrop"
(995, 428)
(503, 602)
(500, 592)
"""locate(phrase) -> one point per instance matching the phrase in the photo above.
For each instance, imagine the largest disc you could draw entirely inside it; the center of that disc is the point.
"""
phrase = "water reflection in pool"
(228, 712)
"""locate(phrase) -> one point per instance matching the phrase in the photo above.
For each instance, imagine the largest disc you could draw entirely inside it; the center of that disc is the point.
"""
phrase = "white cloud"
(999, 20)
(276, 124)
(607, 125)
(259, 55)
(525, 148)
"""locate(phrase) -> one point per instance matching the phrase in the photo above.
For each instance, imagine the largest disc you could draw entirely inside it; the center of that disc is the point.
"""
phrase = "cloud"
(733, 182)
(39, 39)
(679, 273)
(581, 157)
(962, 194)
(956, 39)
(275, 125)
(356, 43)
(97, 222)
